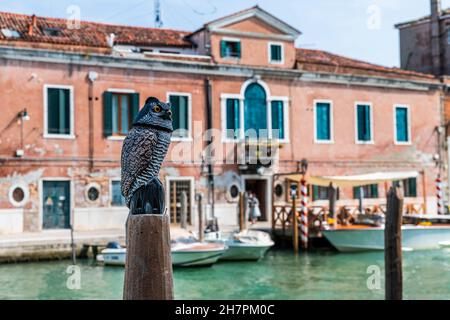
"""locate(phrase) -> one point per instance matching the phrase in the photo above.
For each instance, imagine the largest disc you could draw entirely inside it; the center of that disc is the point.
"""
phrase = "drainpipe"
(208, 97)
(92, 76)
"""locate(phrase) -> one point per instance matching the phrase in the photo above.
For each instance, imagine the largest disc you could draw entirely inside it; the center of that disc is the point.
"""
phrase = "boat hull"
(372, 239)
(189, 256)
(243, 251)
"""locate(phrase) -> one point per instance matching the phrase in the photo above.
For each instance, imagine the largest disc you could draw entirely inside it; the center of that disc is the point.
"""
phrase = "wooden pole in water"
(424, 192)
(241, 211)
(393, 244)
(332, 202)
(148, 268)
(183, 210)
(200, 217)
(294, 226)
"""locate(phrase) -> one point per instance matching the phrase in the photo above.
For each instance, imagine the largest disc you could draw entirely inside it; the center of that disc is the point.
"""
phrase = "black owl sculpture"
(143, 152)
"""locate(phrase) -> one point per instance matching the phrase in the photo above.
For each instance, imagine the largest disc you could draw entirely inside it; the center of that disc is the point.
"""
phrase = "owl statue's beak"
(167, 115)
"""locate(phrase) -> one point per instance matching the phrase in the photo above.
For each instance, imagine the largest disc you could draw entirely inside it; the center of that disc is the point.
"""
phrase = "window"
(116, 194)
(51, 32)
(10, 33)
(232, 118)
(363, 123)
(409, 187)
(275, 53)
(120, 109)
(180, 115)
(402, 126)
(178, 187)
(369, 191)
(230, 48)
(322, 193)
(323, 121)
(254, 115)
(58, 109)
(255, 111)
(277, 119)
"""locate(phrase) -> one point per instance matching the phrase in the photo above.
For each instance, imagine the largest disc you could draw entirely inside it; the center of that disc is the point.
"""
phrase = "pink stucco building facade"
(79, 87)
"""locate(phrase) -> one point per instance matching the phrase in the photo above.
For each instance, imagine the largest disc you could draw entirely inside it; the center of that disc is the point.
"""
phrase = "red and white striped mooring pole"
(304, 214)
(440, 200)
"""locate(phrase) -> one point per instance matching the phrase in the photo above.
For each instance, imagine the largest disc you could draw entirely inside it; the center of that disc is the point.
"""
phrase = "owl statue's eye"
(157, 109)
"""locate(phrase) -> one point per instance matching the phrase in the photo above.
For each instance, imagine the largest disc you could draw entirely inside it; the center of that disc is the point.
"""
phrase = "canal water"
(280, 275)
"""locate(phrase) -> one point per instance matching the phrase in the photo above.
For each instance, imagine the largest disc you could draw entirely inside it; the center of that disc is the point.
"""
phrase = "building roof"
(444, 13)
(91, 34)
(323, 61)
(250, 12)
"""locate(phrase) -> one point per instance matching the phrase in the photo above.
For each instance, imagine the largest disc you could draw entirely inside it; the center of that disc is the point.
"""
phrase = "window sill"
(181, 139)
(324, 141)
(399, 143)
(364, 142)
(276, 62)
(59, 136)
(116, 138)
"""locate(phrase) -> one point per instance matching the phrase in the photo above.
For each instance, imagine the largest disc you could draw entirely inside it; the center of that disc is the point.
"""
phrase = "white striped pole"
(304, 214)
(440, 200)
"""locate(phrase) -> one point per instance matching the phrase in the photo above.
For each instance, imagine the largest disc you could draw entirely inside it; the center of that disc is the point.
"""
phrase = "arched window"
(255, 111)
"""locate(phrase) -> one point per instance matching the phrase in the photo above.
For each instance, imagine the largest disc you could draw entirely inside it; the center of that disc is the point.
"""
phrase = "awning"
(356, 180)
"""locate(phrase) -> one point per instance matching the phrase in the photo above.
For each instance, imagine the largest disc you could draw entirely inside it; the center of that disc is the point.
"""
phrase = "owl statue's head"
(155, 114)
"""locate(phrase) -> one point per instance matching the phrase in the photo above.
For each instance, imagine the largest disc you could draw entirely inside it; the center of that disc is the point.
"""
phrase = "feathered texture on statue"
(143, 152)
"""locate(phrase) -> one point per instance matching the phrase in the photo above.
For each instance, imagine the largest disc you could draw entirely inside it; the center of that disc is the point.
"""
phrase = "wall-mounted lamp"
(22, 116)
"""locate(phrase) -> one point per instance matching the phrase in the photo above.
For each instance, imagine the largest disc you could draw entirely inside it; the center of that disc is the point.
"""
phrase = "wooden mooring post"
(241, 211)
(294, 226)
(199, 197)
(393, 245)
(148, 268)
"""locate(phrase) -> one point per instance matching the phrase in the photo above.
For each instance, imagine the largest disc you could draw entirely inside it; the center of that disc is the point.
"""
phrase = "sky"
(360, 29)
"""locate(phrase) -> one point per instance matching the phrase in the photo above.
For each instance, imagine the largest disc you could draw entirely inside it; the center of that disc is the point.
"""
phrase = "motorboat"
(244, 245)
(354, 238)
(184, 254)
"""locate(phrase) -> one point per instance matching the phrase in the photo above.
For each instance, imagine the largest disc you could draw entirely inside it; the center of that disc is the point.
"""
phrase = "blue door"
(56, 204)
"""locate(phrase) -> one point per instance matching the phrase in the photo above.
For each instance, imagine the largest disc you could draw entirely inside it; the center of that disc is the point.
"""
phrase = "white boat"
(183, 254)
(196, 254)
(363, 238)
(245, 245)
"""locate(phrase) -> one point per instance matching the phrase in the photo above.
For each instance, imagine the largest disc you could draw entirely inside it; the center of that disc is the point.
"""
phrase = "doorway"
(259, 187)
(56, 204)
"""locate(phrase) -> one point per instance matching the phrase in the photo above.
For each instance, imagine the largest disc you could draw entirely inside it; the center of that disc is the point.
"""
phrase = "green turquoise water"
(280, 275)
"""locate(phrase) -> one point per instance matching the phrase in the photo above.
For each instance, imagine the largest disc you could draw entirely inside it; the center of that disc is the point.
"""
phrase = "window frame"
(372, 140)
(235, 40)
(331, 140)
(111, 192)
(71, 135)
(119, 91)
(193, 204)
(241, 98)
(269, 48)
(408, 110)
(188, 138)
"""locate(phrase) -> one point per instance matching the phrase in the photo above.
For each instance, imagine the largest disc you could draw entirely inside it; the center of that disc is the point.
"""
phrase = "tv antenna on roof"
(158, 19)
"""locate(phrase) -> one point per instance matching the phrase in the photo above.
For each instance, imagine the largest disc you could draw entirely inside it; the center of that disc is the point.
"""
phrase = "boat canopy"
(356, 180)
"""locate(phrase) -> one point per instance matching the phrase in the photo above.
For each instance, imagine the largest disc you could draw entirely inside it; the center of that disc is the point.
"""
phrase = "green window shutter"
(255, 110)
(223, 48)
(238, 49)
(52, 111)
(374, 190)
(232, 116)
(107, 114)
(315, 192)
(277, 118)
(412, 188)
(363, 122)
(355, 192)
(134, 107)
(323, 121)
(401, 117)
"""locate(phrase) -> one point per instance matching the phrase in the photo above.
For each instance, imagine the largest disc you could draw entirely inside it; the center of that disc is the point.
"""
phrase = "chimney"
(32, 25)
(435, 37)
